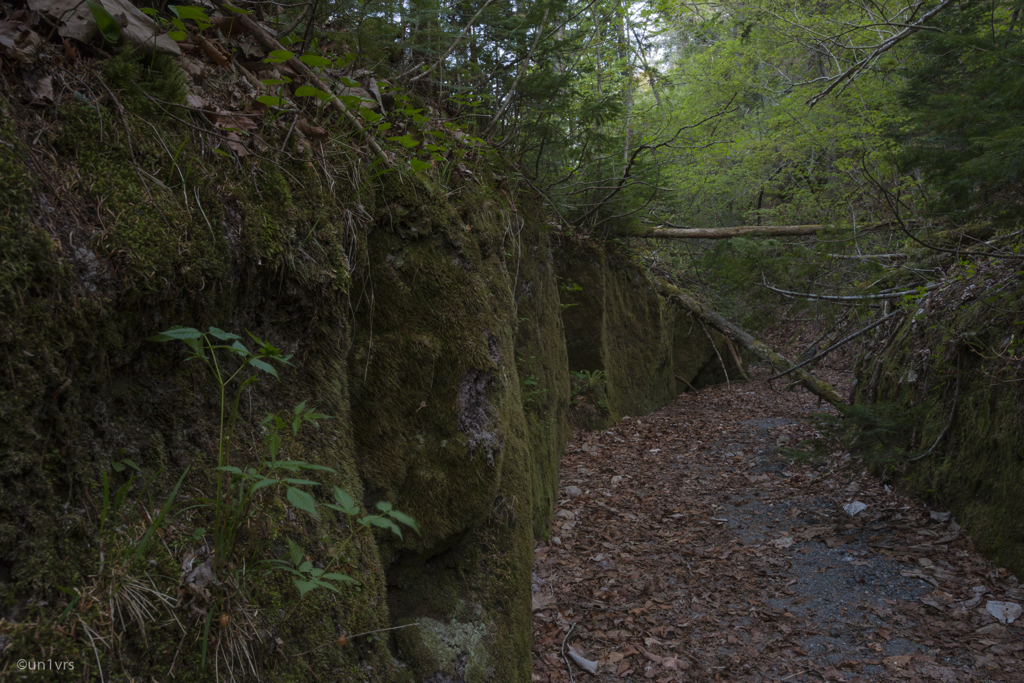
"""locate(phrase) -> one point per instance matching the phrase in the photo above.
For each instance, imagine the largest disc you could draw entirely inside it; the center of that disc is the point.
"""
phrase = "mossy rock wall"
(96, 258)
(694, 358)
(429, 329)
(464, 297)
(616, 323)
(959, 344)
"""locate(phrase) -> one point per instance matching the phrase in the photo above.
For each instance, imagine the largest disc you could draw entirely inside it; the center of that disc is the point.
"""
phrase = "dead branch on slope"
(814, 385)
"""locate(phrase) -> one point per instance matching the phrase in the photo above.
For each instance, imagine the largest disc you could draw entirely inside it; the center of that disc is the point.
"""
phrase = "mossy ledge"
(425, 320)
(958, 345)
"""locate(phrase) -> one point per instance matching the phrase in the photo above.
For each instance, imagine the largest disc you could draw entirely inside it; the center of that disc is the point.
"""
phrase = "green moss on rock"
(616, 322)
(956, 345)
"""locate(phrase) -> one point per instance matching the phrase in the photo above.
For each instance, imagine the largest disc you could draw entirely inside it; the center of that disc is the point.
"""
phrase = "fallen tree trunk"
(677, 232)
(726, 233)
(814, 385)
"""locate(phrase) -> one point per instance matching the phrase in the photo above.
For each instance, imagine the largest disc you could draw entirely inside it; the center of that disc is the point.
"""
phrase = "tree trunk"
(726, 233)
(814, 385)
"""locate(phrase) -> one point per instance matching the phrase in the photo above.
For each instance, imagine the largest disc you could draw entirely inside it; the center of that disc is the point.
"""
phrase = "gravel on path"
(686, 548)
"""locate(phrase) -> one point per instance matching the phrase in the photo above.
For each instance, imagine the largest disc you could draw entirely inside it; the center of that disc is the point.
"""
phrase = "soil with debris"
(685, 547)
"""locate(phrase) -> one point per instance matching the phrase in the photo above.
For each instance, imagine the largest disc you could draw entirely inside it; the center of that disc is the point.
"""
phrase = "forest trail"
(685, 548)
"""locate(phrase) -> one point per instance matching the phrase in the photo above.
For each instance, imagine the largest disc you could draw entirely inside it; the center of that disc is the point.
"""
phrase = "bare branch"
(851, 73)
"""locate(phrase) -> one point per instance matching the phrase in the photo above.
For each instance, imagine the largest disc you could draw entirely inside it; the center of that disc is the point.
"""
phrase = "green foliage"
(105, 22)
(885, 435)
(966, 132)
(234, 366)
(588, 386)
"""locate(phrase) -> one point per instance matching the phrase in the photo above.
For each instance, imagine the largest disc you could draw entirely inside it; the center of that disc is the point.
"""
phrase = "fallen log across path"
(726, 233)
(822, 390)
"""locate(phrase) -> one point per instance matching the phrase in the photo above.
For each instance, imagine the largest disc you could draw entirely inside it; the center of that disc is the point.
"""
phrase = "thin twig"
(683, 380)
(358, 635)
(715, 347)
(949, 423)
(835, 346)
(857, 297)
(566, 659)
(458, 38)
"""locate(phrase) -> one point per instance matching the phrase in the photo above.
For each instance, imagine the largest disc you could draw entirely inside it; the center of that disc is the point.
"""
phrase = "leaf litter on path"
(684, 548)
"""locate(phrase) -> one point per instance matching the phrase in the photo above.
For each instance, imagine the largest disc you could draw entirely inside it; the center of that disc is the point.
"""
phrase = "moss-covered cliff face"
(616, 324)
(426, 321)
(621, 335)
(960, 345)
(694, 358)
(97, 256)
(454, 302)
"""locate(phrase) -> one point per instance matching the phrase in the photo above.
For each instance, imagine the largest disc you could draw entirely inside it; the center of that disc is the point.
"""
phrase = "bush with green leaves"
(235, 367)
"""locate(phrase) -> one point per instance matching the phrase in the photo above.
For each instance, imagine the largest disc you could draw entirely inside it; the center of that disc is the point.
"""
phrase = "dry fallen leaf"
(19, 43)
(1005, 612)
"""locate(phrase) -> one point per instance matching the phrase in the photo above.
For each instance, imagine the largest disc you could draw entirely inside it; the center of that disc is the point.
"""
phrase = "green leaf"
(334, 576)
(141, 547)
(296, 423)
(229, 468)
(304, 586)
(295, 552)
(302, 501)
(117, 466)
(290, 39)
(264, 366)
(271, 100)
(383, 127)
(194, 13)
(263, 483)
(278, 56)
(343, 498)
(418, 165)
(149, 11)
(282, 465)
(176, 333)
(198, 533)
(311, 466)
(352, 100)
(302, 482)
(405, 519)
(236, 10)
(370, 115)
(310, 91)
(108, 26)
(406, 140)
(384, 506)
(131, 463)
(305, 567)
(315, 61)
(177, 36)
(239, 347)
(349, 83)
(222, 335)
(206, 638)
(382, 522)
(297, 410)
